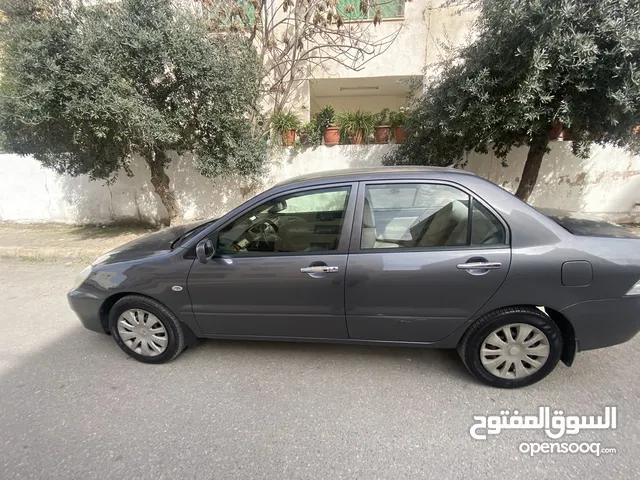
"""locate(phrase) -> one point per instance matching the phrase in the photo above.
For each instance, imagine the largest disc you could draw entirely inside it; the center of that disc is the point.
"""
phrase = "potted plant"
(302, 134)
(397, 121)
(355, 125)
(382, 126)
(324, 121)
(286, 125)
(556, 131)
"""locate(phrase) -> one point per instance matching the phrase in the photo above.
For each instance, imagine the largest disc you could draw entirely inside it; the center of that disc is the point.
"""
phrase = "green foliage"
(325, 117)
(398, 119)
(86, 87)
(353, 121)
(282, 122)
(310, 134)
(382, 117)
(533, 63)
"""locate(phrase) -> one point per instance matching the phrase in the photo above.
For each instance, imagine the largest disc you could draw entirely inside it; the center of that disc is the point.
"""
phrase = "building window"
(353, 10)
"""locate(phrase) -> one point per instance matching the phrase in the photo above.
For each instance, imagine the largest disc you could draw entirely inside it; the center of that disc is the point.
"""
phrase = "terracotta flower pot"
(357, 138)
(555, 131)
(331, 136)
(288, 137)
(400, 134)
(382, 133)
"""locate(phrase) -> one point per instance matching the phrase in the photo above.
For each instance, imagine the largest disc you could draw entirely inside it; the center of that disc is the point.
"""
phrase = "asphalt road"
(72, 405)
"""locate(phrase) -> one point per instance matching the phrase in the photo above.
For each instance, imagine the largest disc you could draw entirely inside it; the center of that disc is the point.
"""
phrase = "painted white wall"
(406, 56)
(417, 47)
(371, 103)
(31, 193)
(607, 183)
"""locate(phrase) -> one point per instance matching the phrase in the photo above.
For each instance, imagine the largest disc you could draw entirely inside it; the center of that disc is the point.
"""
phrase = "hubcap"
(142, 332)
(514, 351)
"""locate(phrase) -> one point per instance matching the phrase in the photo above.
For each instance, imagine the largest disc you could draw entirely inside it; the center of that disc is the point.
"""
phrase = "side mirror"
(205, 250)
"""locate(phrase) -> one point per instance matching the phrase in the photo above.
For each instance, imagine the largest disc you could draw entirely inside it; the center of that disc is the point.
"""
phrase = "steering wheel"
(270, 223)
(263, 231)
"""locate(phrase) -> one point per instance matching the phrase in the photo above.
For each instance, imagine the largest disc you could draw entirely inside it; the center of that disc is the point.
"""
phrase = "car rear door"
(289, 283)
(424, 258)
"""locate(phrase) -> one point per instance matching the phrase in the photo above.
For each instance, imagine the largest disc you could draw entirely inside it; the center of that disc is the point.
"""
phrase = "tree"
(534, 64)
(85, 89)
(296, 38)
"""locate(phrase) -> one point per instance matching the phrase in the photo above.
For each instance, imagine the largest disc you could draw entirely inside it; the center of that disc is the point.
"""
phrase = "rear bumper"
(602, 323)
(87, 307)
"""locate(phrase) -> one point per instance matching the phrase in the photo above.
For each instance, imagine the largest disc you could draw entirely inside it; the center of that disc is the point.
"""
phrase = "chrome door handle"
(319, 269)
(480, 266)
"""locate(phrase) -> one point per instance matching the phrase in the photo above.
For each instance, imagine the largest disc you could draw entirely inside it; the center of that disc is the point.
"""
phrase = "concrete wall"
(406, 56)
(371, 103)
(608, 183)
(31, 193)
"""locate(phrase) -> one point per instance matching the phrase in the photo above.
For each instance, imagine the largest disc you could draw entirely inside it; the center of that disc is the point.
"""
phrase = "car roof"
(374, 173)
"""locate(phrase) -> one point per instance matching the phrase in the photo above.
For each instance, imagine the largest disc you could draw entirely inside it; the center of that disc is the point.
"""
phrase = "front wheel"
(511, 347)
(146, 330)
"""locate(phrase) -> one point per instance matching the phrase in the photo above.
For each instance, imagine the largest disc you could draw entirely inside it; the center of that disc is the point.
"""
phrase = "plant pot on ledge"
(331, 136)
(357, 138)
(382, 133)
(288, 138)
(399, 134)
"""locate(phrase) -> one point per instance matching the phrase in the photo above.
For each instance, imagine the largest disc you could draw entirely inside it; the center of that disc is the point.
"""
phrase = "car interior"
(299, 224)
(314, 225)
(448, 226)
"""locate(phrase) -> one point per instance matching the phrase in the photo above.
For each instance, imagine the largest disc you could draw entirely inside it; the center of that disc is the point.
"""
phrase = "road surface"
(72, 405)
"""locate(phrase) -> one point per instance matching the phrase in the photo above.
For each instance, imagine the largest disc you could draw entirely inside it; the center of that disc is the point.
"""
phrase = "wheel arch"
(105, 309)
(569, 342)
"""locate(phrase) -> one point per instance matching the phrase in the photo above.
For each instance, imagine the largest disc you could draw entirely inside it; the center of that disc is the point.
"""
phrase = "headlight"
(82, 276)
(635, 290)
(102, 258)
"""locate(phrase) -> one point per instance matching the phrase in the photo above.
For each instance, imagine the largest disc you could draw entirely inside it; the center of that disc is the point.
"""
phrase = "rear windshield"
(580, 224)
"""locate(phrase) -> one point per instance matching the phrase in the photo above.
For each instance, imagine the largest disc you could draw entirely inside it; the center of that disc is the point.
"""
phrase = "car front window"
(308, 221)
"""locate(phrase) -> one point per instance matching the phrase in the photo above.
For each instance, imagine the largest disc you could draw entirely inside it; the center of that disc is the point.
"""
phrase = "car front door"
(424, 258)
(279, 268)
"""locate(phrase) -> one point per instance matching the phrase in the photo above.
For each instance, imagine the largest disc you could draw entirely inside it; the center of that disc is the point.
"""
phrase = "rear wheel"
(511, 347)
(146, 330)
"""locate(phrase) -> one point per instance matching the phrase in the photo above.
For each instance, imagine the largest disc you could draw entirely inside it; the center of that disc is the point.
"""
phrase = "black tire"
(175, 332)
(471, 342)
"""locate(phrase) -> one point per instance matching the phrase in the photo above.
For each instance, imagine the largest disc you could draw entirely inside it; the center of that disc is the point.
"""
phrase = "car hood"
(150, 245)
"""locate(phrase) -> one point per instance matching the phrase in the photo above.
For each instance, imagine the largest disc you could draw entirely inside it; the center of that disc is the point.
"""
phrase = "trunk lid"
(586, 226)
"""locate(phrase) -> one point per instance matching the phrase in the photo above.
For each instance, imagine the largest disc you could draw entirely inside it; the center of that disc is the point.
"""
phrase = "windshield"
(190, 233)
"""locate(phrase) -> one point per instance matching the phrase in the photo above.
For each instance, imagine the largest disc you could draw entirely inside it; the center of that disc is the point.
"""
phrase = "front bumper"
(87, 307)
(602, 323)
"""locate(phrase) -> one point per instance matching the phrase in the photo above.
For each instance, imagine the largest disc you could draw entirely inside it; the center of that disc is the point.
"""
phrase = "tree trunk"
(157, 161)
(537, 149)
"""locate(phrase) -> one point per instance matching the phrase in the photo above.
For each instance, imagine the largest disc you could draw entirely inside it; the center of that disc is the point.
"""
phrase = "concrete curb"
(66, 254)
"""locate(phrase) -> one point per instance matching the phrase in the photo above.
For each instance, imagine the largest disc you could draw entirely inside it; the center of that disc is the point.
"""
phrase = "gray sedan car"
(420, 257)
